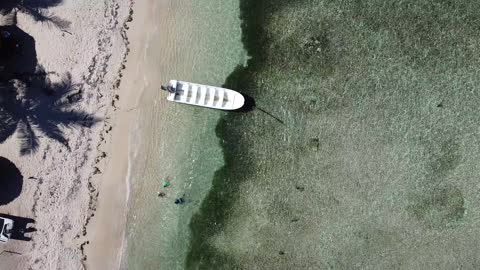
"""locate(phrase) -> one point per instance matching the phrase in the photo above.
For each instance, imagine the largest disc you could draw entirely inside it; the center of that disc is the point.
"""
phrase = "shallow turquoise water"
(361, 153)
(173, 142)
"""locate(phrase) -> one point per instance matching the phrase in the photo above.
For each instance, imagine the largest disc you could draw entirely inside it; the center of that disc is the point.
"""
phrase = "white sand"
(107, 230)
(60, 186)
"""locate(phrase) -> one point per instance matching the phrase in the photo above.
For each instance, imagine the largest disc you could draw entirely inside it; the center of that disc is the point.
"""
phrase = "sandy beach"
(74, 191)
(107, 229)
(72, 55)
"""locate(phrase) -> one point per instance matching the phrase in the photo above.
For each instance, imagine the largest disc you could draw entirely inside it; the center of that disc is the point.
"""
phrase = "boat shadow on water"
(236, 81)
(250, 105)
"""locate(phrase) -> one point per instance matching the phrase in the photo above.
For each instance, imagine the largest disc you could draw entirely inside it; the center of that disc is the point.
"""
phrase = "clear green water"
(200, 42)
(362, 152)
(374, 162)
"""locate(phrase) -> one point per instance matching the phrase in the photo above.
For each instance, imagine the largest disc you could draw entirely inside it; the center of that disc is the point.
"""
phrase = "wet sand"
(107, 229)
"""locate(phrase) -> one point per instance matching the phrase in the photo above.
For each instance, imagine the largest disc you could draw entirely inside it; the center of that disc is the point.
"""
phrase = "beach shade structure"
(17, 50)
(8, 47)
(8, 44)
(11, 181)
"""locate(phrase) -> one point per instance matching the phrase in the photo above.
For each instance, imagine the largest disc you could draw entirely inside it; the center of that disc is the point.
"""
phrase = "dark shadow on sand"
(11, 181)
(21, 227)
(20, 57)
(31, 103)
(37, 9)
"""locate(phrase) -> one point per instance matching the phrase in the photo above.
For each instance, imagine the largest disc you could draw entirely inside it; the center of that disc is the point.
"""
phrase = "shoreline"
(158, 230)
(105, 232)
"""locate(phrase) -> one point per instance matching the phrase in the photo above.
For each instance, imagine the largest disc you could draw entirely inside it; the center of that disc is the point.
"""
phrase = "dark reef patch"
(443, 206)
(340, 94)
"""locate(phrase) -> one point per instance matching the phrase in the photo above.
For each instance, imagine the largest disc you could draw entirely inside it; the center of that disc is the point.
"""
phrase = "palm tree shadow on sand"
(37, 9)
(32, 103)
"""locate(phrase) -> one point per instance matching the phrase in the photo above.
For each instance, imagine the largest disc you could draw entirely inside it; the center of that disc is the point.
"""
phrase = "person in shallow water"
(168, 88)
(180, 200)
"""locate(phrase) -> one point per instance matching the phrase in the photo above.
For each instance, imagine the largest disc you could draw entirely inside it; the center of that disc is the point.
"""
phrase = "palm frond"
(40, 3)
(51, 129)
(46, 17)
(8, 125)
(28, 139)
(68, 99)
(67, 90)
(59, 22)
(8, 111)
(28, 111)
(64, 85)
(74, 119)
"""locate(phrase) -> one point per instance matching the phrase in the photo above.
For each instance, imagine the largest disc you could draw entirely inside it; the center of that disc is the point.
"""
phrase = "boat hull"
(205, 96)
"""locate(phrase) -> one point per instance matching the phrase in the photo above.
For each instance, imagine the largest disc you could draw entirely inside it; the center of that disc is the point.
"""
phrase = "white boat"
(204, 95)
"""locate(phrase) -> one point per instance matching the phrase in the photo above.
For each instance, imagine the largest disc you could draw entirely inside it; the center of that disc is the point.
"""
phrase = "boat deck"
(203, 95)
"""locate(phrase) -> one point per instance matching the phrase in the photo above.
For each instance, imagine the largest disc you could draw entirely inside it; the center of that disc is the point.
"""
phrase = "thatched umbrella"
(11, 181)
